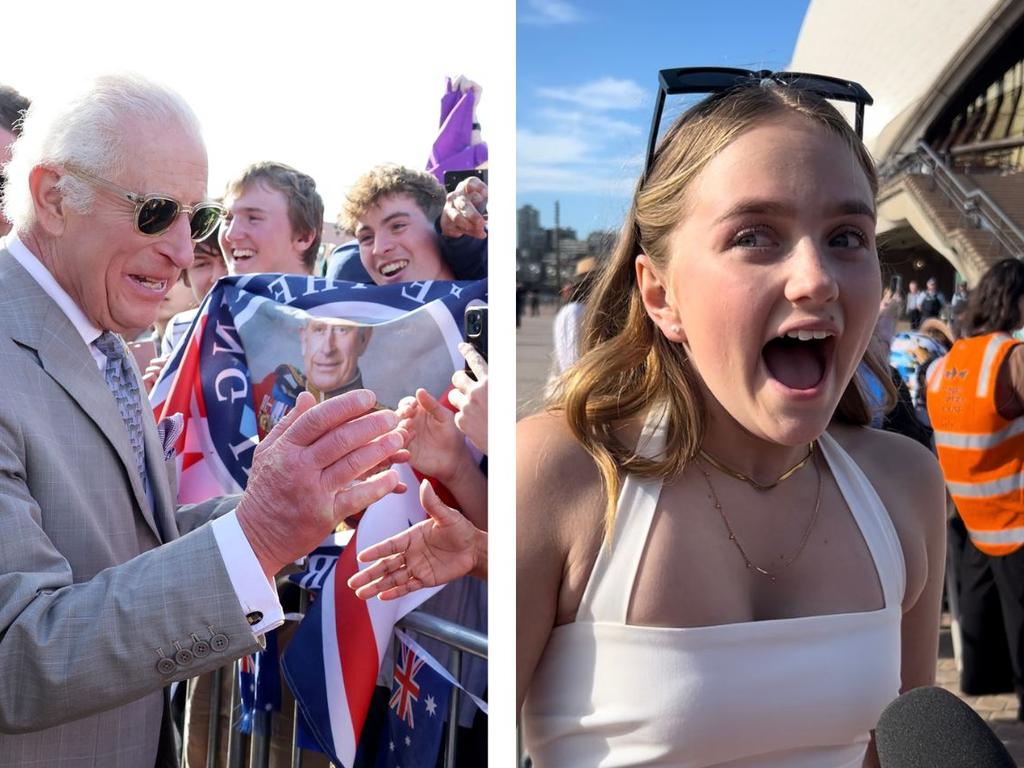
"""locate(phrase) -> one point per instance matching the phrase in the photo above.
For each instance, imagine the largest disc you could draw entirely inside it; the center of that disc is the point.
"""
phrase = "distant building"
(530, 236)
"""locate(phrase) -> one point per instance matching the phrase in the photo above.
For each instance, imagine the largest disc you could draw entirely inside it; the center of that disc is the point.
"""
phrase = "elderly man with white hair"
(107, 592)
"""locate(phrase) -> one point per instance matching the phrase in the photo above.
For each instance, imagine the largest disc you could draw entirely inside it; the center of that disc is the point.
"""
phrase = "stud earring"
(676, 330)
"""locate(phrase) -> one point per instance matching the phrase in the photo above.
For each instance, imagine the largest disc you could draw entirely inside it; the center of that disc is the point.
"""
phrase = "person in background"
(12, 107)
(976, 405)
(911, 307)
(207, 268)
(569, 319)
(931, 302)
(409, 230)
(960, 295)
(274, 221)
(179, 299)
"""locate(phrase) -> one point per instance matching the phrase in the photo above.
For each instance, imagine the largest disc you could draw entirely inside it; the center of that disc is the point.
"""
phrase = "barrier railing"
(460, 639)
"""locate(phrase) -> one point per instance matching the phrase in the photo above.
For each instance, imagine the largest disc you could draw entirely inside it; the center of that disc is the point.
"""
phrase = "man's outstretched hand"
(311, 471)
(435, 551)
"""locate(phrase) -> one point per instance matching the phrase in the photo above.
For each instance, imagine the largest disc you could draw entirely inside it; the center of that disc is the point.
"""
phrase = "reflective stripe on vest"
(986, 362)
(1005, 536)
(935, 372)
(977, 441)
(986, 490)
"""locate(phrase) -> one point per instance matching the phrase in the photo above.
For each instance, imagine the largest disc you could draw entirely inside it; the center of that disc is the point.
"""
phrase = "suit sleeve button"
(184, 657)
(166, 666)
(200, 649)
(219, 642)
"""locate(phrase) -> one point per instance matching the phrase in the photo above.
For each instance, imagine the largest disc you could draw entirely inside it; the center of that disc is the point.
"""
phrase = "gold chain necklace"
(732, 534)
(747, 479)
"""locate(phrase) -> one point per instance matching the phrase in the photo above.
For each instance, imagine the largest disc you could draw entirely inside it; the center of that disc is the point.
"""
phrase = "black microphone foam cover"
(932, 728)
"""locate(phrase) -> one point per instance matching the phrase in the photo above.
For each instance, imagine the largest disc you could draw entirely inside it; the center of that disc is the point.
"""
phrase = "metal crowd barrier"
(460, 639)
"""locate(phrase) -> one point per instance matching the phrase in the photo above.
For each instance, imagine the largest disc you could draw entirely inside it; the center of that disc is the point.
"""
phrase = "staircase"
(980, 217)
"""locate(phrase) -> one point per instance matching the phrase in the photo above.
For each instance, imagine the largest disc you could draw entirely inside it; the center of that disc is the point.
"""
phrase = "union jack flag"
(407, 690)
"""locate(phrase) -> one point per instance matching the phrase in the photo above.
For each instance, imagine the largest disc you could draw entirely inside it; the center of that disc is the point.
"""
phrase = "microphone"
(932, 728)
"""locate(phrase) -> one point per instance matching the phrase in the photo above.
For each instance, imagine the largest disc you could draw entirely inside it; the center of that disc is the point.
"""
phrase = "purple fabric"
(452, 150)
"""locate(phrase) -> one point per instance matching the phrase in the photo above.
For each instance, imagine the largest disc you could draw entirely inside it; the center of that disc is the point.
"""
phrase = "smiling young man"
(396, 215)
(275, 217)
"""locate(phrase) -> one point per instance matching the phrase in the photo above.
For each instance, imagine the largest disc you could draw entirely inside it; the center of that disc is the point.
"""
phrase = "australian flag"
(416, 713)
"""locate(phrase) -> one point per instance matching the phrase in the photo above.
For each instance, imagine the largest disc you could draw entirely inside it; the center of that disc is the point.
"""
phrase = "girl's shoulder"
(551, 463)
(888, 457)
(909, 482)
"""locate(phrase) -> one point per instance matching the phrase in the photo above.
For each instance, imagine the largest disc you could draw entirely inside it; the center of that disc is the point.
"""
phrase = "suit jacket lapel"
(38, 323)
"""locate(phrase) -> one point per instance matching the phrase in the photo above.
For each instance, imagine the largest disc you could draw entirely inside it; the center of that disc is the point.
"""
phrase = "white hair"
(87, 126)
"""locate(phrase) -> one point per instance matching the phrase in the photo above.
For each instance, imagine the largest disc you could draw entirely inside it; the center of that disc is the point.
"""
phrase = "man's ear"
(303, 240)
(656, 300)
(47, 200)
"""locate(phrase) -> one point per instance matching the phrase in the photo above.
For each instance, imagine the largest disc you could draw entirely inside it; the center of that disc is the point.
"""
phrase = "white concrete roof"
(900, 50)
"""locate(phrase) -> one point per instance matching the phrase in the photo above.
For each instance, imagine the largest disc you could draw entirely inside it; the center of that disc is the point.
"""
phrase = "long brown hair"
(626, 365)
(994, 304)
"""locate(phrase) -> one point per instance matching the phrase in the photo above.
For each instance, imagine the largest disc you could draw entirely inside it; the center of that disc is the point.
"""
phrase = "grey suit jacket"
(95, 589)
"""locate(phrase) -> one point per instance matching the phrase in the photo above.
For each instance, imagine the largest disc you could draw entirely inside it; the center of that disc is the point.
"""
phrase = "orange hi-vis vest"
(981, 453)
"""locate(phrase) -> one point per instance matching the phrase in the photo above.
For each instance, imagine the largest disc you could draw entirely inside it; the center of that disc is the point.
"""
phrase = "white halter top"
(782, 693)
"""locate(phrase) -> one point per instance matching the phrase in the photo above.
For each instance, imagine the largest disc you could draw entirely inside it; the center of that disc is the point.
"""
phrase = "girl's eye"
(756, 237)
(849, 238)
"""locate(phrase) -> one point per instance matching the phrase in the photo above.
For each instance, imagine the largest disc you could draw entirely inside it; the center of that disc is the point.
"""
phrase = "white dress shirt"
(255, 593)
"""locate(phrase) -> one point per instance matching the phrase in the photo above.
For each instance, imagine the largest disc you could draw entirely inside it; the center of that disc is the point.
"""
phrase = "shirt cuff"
(256, 595)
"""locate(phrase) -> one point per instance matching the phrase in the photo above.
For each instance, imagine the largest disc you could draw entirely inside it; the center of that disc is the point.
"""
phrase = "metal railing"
(460, 639)
(977, 209)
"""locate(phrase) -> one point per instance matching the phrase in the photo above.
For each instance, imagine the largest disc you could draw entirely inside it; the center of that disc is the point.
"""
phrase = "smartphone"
(143, 352)
(475, 332)
(896, 285)
(452, 179)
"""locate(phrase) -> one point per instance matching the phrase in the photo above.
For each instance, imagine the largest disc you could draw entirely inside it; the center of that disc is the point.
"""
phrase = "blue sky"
(586, 79)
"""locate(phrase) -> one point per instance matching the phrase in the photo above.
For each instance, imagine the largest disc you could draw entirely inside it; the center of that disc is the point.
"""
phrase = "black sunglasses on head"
(712, 80)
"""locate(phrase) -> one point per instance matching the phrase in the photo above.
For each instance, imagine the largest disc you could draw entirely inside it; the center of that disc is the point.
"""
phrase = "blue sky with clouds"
(586, 80)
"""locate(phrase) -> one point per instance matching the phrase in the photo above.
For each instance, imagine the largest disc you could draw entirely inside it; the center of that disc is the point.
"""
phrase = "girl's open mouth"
(798, 360)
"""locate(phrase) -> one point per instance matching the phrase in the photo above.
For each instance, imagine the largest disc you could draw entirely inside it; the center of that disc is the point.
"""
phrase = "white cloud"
(593, 180)
(546, 13)
(578, 122)
(549, 148)
(603, 94)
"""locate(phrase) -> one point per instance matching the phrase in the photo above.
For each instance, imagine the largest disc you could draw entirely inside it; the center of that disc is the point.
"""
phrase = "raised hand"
(464, 210)
(470, 397)
(436, 446)
(435, 551)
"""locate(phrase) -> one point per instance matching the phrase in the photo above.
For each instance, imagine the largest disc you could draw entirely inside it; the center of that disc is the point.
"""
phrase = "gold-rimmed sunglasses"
(155, 213)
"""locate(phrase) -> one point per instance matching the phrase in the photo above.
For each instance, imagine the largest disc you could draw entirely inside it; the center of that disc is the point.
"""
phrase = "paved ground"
(533, 349)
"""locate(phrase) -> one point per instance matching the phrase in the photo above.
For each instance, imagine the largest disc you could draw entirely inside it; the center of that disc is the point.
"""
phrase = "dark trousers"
(992, 622)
